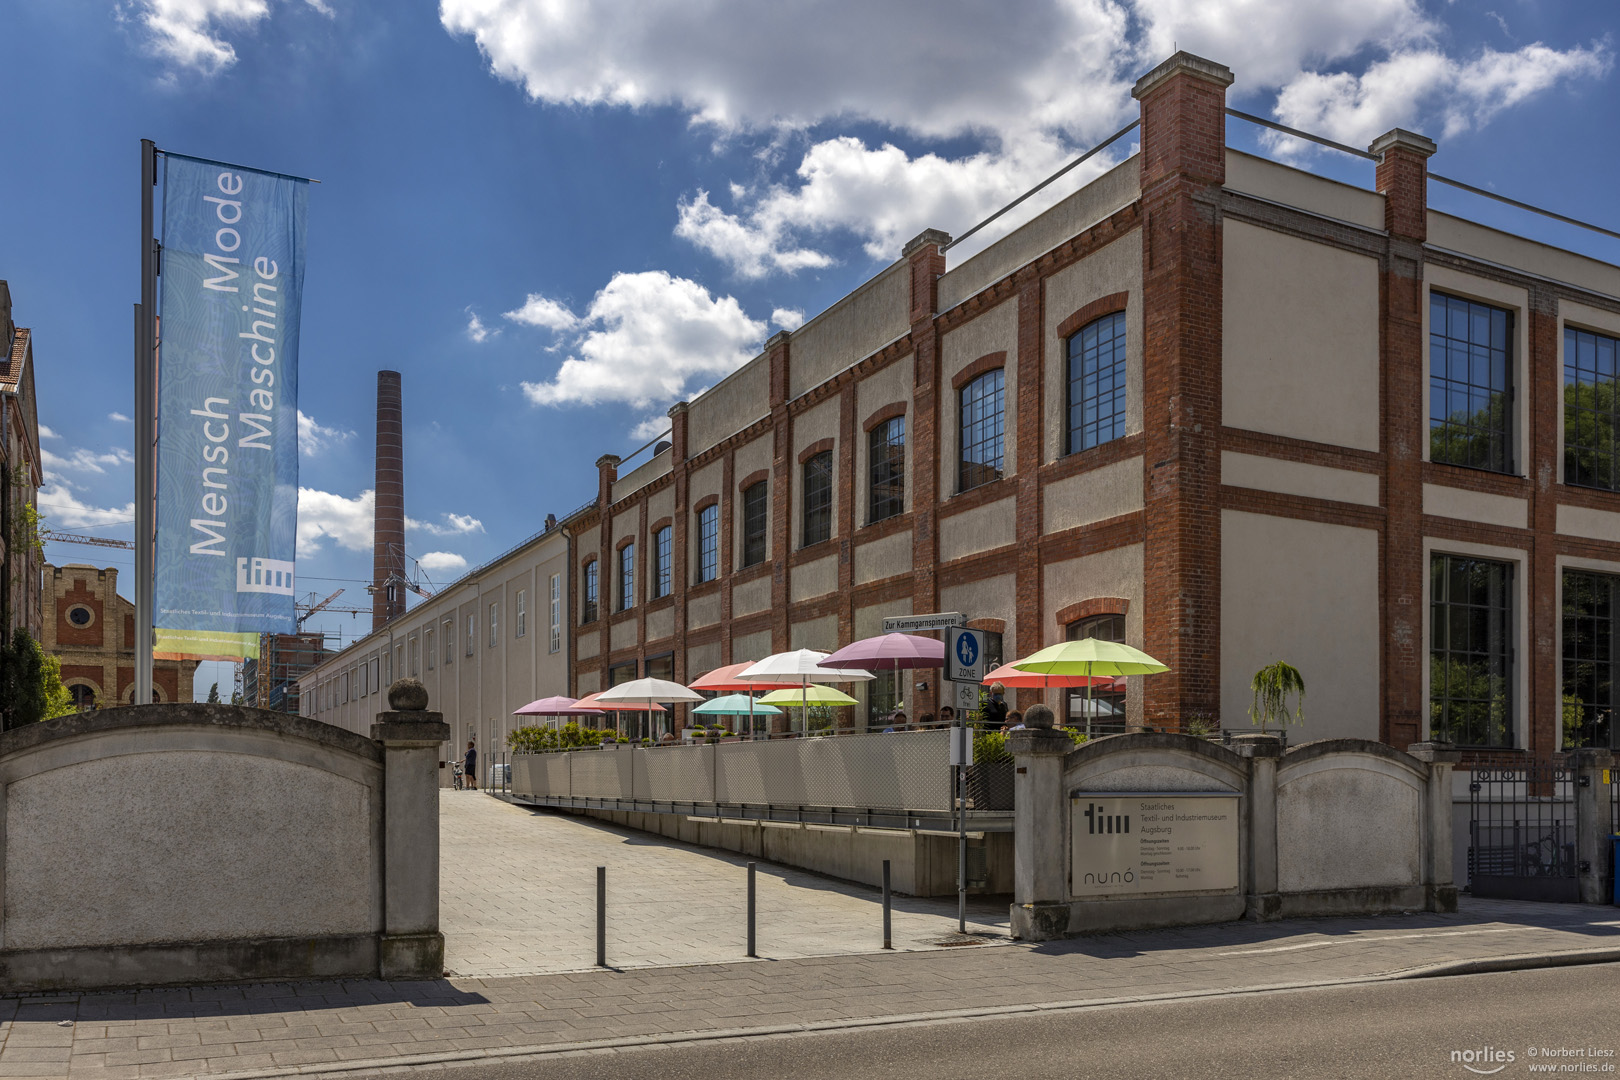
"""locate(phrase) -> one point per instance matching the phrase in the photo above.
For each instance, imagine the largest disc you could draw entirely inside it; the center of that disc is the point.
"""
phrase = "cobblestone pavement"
(519, 898)
(362, 1025)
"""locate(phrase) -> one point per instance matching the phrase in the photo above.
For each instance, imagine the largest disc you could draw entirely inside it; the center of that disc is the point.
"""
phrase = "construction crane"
(78, 538)
(317, 607)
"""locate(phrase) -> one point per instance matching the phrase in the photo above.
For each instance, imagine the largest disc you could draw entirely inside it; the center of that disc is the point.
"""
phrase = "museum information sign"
(1134, 842)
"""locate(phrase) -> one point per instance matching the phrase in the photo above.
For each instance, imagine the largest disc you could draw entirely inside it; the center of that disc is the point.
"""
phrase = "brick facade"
(91, 630)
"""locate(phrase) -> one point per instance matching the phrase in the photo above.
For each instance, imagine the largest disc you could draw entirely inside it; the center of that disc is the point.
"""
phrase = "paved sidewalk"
(518, 897)
(273, 1030)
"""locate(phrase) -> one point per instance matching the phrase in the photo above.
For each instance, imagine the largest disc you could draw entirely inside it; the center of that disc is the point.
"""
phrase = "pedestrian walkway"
(285, 1029)
(518, 897)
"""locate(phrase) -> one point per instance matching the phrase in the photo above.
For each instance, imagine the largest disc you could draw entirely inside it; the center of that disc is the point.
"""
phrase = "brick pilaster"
(777, 356)
(846, 511)
(728, 563)
(1027, 636)
(677, 544)
(929, 418)
(1546, 389)
(1183, 167)
(1400, 179)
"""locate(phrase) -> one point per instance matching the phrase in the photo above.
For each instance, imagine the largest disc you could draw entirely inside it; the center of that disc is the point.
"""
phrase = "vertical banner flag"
(227, 456)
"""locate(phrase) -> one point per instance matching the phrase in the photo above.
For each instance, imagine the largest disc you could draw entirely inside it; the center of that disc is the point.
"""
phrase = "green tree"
(1272, 686)
(213, 694)
(24, 694)
(58, 698)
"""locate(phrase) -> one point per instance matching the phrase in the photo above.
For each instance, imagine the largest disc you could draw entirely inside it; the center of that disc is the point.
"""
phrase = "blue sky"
(555, 217)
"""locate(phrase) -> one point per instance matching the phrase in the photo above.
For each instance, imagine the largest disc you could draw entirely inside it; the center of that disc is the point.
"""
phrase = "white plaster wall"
(820, 634)
(879, 559)
(869, 620)
(992, 598)
(1545, 260)
(1307, 593)
(729, 406)
(1091, 496)
(865, 320)
(1349, 821)
(983, 528)
(586, 644)
(642, 475)
(1298, 478)
(1480, 506)
(750, 597)
(755, 646)
(1592, 524)
(817, 578)
(179, 845)
(994, 331)
(622, 635)
(1307, 191)
(702, 659)
(1300, 355)
(660, 624)
(703, 611)
(1112, 269)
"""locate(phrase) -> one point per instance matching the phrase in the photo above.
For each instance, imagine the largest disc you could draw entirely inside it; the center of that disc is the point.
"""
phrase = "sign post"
(940, 620)
(964, 667)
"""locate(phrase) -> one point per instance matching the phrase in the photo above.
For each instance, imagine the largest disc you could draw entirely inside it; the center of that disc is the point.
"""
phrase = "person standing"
(470, 766)
(995, 710)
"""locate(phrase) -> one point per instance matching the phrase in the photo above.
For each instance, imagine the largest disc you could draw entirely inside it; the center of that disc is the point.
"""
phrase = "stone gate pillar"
(411, 946)
(1592, 835)
(1040, 908)
(1263, 903)
(1440, 891)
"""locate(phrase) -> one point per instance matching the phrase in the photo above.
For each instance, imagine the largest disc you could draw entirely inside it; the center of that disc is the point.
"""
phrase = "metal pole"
(887, 940)
(961, 832)
(145, 430)
(751, 910)
(601, 916)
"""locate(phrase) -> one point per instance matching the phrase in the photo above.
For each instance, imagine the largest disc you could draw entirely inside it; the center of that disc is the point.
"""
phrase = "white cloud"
(315, 439)
(47, 433)
(325, 516)
(119, 417)
(476, 330)
(63, 509)
(188, 32)
(454, 525)
(644, 338)
(787, 318)
(548, 314)
(1424, 88)
(442, 560)
(88, 461)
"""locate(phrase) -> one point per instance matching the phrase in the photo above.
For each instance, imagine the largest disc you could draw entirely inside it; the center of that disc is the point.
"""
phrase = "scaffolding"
(270, 680)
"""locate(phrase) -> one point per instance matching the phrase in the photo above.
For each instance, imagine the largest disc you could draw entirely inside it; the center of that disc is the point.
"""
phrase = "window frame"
(886, 472)
(494, 623)
(974, 421)
(763, 539)
(663, 556)
(1444, 388)
(1109, 386)
(521, 616)
(1578, 377)
(817, 467)
(1595, 718)
(472, 631)
(556, 612)
(708, 539)
(1443, 623)
(627, 577)
(589, 592)
(449, 628)
(429, 651)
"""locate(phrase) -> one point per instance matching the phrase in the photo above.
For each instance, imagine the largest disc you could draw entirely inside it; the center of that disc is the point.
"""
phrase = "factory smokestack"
(388, 522)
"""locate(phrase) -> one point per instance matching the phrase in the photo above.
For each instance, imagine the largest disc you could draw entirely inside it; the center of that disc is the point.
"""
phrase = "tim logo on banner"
(227, 452)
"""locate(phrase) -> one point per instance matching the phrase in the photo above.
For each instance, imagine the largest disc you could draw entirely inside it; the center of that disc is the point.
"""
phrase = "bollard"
(751, 909)
(886, 937)
(601, 916)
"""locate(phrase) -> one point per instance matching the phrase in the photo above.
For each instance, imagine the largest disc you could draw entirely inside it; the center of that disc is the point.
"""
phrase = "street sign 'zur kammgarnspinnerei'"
(227, 461)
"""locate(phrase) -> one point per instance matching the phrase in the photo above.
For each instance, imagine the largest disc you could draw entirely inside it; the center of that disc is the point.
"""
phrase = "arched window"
(708, 560)
(84, 697)
(660, 564)
(627, 577)
(982, 401)
(1100, 708)
(1097, 382)
(818, 498)
(756, 522)
(886, 460)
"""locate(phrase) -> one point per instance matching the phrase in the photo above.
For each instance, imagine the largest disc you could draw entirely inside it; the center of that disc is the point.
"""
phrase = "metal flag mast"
(145, 415)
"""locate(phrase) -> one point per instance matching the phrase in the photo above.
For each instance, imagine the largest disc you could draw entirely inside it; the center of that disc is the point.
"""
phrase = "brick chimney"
(388, 522)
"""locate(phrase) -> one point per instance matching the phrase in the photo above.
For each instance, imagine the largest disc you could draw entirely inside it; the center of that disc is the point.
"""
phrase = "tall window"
(494, 625)
(472, 626)
(1471, 651)
(1591, 659)
(882, 699)
(756, 523)
(661, 557)
(1591, 409)
(980, 462)
(886, 469)
(376, 673)
(587, 606)
(627, 577)
(556, 612)
(449, 639)
(427, 648)
(818, 498)
(522, 613)
(1097, 383)
(1470, 384)
(708, 560)
(1099, 708)
(413, 668)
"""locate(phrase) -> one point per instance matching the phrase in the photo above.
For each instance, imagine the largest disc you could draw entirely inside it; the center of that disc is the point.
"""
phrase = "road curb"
(1519, 962)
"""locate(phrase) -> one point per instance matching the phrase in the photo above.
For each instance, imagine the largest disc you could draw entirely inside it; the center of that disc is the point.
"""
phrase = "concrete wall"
(1331, 827)
(853, 328)
(197, 843)
(1279, 183)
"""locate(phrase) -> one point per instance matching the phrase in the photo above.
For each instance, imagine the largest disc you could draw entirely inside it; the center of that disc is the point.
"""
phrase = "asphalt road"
(1390, 1029)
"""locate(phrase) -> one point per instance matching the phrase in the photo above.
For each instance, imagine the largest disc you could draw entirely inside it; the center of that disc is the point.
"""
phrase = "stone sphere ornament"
(408, 695)
(1038, 716)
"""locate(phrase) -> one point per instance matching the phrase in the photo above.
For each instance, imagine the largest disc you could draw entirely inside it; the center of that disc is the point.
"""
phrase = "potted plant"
(1272, 686)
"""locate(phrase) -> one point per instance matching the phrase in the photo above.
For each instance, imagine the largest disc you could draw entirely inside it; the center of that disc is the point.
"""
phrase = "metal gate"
(1523, 822)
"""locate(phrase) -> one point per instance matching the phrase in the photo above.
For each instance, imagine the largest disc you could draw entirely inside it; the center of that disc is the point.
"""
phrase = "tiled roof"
(11, 370)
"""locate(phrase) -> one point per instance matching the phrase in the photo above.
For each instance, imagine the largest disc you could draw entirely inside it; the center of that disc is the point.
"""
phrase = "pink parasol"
(725, 680)
(556, 706)
(889, 652)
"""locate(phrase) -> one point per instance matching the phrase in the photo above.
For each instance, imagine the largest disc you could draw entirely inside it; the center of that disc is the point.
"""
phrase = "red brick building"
(91, 629)
(21, 474)
(1226, 410)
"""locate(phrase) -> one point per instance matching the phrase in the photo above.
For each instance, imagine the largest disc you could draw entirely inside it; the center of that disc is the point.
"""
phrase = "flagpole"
(145, 417)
